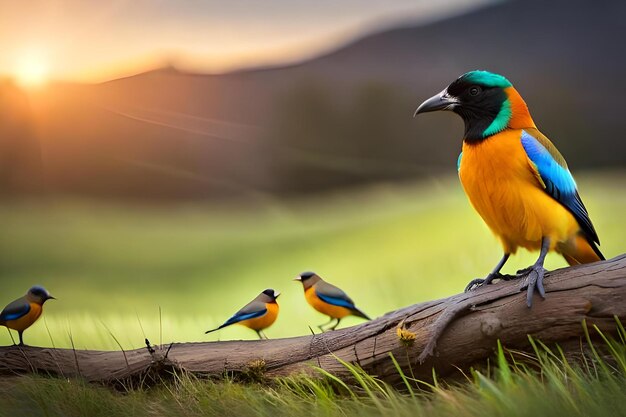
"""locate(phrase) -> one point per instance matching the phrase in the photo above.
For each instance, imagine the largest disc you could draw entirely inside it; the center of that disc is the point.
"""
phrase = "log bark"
(595, 293)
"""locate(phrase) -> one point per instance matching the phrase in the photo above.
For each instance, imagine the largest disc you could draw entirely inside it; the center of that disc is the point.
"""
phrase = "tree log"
(466, 326)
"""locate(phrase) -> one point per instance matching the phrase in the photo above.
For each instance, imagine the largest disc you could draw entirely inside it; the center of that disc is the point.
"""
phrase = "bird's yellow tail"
(581, 251)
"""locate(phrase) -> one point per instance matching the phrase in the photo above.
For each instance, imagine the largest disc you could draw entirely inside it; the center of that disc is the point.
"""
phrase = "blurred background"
(163, 162)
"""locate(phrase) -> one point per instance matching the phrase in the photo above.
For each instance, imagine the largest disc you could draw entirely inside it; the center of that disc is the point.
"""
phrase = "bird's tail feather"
(582, 251)
(217, 328)
(359, 313)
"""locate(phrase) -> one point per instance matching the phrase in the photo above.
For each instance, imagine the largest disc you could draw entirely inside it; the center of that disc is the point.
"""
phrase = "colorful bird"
(328, 299)
(515, 178)
(23, 312)
(258, 314)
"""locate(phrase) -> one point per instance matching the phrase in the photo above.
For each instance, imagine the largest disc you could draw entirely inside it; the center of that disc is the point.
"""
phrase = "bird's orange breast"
(500, 183)
(26, 320)
(265, 321)
(323, 307)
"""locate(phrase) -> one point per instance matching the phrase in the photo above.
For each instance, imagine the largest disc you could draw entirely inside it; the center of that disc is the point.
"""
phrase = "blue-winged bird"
(515, 178)
(258, 314)
(23, 312)
(328, 299)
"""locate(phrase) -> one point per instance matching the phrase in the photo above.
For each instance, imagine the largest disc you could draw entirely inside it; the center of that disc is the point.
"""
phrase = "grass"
(520, 385)
(171, 272)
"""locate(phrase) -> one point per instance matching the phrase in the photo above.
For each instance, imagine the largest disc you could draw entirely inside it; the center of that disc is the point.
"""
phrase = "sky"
(92, 41)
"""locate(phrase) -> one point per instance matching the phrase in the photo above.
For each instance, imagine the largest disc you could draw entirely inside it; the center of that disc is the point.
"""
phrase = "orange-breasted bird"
(515, 178)
(258, 314)
(328, 299)
(23, 312)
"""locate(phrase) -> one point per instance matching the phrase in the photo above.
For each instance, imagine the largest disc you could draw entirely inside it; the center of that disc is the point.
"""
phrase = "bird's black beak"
(441, 101)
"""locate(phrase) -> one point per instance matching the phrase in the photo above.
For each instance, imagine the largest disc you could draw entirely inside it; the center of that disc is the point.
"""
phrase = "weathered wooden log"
(469, 325)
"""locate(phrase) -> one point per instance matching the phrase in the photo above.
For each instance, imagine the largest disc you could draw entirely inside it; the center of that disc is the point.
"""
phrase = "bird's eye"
(474, 90)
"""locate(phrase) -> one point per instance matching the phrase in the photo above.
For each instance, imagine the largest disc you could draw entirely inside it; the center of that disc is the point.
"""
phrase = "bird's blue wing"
(15, 310)
(340, 302)
(243, 316)
(333, 295)
(458, 162)
(551, 169)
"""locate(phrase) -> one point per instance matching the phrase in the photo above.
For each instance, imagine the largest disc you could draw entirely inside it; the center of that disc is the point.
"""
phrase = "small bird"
(258, 314)
(328, 299)
(515, 178)
(23, 312)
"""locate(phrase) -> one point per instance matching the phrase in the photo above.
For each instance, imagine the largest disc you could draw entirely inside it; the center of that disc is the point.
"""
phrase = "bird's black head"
(306, 276)
(273, 295)
(308, 279)
(481, 98)
(39, 294)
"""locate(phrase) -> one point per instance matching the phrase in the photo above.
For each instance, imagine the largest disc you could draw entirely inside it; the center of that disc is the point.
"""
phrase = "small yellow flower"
(407, 337)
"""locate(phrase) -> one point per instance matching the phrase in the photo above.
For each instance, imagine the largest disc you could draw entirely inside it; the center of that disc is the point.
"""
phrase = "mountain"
(343, 118)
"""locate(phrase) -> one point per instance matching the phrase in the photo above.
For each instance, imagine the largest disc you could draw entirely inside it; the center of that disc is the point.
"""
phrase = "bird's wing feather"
(15, 310)
(333, 295)
(251, 310)
(241, 317)
(552, 172)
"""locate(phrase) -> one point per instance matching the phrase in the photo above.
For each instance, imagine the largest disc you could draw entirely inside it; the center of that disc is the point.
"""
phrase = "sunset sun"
(31, 69)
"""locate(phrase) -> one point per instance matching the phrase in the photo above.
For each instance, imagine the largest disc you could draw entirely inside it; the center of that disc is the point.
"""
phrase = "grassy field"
(170, 273)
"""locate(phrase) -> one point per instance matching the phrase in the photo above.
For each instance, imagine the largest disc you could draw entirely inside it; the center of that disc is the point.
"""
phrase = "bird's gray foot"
(507, 277)
(323, 327)
(479, 282)
(334, 326)
(533, 280)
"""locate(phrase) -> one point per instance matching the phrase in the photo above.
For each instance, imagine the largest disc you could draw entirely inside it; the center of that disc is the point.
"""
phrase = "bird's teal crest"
(487, 79)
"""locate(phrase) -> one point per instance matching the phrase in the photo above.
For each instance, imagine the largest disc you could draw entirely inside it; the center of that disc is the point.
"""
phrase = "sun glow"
(31, 69)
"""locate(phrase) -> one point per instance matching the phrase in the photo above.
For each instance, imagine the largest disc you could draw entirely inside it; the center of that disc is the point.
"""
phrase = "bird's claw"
(479, 282)
(507, 277)
(533, 280)
(473, 284)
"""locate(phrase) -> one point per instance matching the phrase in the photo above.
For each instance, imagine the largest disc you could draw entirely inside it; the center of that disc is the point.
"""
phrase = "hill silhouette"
(342, 119)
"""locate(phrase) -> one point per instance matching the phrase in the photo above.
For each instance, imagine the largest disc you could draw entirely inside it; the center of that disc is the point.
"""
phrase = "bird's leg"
(335, 326)
(534, 274)
(21, 339)
(321, 326)
(11, 336)
(495, 274)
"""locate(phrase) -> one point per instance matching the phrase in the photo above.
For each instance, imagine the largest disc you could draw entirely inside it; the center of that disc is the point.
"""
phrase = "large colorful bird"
(258, 314)
(515, 177)
(23, 312)
(328, 299)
